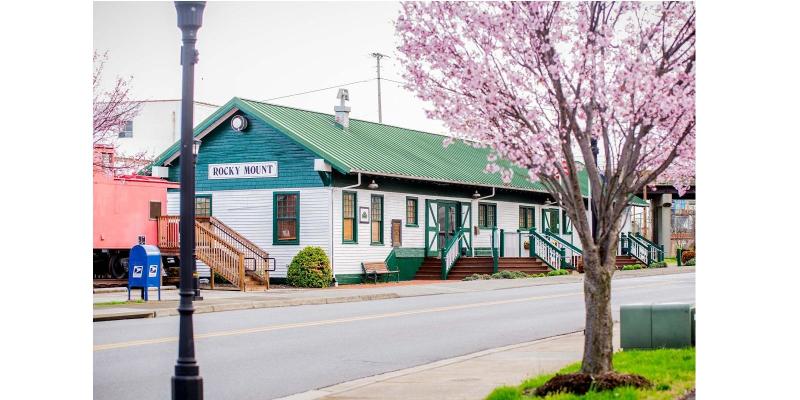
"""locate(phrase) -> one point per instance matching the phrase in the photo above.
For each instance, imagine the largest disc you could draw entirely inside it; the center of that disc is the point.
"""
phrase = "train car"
(126, 211)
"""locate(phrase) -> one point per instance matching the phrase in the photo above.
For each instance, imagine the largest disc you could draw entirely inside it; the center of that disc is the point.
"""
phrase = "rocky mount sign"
(262, 169)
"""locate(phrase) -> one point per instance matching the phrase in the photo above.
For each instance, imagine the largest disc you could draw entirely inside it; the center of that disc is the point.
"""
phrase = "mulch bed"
(581, 383)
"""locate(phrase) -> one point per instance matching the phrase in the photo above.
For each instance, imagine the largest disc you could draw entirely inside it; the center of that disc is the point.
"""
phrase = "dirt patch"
(581, 383)
(689, 395)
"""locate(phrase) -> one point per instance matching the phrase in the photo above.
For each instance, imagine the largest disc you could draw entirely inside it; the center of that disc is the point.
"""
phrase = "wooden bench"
(377, 268)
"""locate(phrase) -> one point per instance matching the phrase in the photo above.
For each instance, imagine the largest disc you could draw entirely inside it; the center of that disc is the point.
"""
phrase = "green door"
(448, 223)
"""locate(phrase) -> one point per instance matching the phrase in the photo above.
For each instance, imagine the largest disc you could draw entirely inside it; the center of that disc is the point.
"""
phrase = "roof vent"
(342, 111)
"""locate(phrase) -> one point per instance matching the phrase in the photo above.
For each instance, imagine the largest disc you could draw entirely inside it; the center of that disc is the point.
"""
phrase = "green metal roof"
(637, 201)
(378, 149)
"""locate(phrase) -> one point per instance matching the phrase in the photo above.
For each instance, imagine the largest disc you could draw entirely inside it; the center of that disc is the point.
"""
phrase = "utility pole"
(378, 57)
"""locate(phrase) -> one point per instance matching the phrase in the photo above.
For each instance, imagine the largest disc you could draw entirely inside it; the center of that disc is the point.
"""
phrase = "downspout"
(333, 243)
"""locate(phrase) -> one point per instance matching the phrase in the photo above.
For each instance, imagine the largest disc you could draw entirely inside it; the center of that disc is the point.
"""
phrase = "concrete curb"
(124, 289)
(248, 305)
(361, 382)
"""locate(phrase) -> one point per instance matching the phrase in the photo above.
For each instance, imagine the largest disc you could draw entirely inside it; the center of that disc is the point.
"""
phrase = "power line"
(319, 90)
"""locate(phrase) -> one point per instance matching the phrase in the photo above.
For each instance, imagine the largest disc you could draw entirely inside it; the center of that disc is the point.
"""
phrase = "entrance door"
(448, 223)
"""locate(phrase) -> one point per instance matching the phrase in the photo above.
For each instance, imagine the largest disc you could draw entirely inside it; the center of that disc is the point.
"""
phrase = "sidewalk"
(228, 300)
(472, 376)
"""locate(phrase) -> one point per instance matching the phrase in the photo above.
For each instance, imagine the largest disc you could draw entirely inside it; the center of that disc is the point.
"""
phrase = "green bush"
(310, 268)
(557, 272)
(690, 263)
(509, 275)
(631, 267)
(658, 264)
(477, 277)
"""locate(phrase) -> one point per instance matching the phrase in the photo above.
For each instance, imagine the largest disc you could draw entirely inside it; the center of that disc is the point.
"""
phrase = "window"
(286, 218)
(526, 217)
(566, 225)
(487, 215)
(127, 130)
(202, 205)
(397, 233)
(376, 222)
(411, 211)
(550, 220)
(155, 209)
(349, 224)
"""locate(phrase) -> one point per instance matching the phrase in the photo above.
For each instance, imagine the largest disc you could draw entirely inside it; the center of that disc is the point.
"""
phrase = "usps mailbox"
(144, 269)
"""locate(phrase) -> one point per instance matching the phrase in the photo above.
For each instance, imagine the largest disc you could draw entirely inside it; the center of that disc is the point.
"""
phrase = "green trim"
(485, 206)
(275, 240)
(637, 201)
(548, 227)
(528, 224)
(348, 279)
(355, 218)
(416, 212)
(566, 224)
(371, 239)
(210, 203)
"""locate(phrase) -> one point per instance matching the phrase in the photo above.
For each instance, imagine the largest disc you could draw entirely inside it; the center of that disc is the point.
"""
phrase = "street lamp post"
(195, 274)
(187, 383)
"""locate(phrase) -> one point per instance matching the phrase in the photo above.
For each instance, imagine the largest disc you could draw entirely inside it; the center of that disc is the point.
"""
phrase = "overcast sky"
(262, 50)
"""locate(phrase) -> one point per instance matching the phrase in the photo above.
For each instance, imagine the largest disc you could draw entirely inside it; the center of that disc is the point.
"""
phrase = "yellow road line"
(269, 328)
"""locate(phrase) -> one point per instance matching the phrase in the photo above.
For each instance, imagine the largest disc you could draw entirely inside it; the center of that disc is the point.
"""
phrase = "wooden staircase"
(225, 251)
(431, 268)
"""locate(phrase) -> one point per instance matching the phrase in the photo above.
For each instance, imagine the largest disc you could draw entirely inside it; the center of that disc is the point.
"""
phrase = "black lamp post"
(195, 151)
(187, 383)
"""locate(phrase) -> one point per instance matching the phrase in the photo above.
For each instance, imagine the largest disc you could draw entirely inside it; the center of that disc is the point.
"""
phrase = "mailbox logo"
(137, 271)
(153, 271)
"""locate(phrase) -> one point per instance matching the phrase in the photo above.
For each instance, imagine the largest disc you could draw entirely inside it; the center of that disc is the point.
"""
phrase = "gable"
(260, 142)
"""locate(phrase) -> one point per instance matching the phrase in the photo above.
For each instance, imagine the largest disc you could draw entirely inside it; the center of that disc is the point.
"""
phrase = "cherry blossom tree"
(602, 89)
(112, 108)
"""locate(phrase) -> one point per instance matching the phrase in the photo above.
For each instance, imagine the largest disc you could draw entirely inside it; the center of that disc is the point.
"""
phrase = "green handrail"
(574, 251)
(564, 242)
(553, 256)
(495, 253)
(636, 247)
(657, 248)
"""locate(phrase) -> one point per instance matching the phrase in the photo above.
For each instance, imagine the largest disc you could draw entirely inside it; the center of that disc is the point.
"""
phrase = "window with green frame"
(411, 211)
(550, 220)
(349, 223)
(202, 205)
(376, 220)
(487, 215)
(526, 217)
(286, 218)
(566, 224)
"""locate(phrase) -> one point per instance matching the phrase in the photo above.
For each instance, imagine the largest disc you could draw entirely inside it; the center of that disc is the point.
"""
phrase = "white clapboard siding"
(249, 212)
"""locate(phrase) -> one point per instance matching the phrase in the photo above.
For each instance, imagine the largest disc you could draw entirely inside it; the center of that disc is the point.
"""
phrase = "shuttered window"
(487, 215)
(349, 224)
(286, 218)
(550, 220)
(376, 222)
(566, 225)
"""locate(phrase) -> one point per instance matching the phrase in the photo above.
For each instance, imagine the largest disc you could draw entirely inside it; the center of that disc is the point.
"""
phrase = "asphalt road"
(274, 352)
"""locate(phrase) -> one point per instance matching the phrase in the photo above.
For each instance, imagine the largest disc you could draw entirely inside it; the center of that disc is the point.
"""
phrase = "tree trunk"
(597, 347)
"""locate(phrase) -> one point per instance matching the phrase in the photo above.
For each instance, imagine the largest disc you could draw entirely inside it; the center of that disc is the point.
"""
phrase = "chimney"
(342, 111)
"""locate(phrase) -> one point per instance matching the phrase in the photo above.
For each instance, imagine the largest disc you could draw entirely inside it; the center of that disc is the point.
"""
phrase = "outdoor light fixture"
(196, 148)
(373, 185)
(186, 382)
(476, 195)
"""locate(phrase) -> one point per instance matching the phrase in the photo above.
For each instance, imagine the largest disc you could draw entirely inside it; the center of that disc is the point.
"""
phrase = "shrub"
(557, 272)
(658, 264)
(310, 268)
(631, 267)
(686, 256)
(476, 277)
(509, 275)
(689, 263)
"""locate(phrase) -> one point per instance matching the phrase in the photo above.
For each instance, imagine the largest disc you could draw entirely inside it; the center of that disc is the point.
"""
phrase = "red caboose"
(126, 211)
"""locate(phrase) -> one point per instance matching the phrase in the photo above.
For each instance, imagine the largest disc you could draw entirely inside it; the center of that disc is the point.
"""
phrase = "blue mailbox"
(144, 269)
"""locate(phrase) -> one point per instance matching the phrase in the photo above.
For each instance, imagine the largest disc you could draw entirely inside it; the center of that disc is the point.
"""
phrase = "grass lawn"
(671, 260)
(670, 370)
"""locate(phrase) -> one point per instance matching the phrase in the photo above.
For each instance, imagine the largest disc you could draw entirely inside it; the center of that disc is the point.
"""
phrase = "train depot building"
(271, 180)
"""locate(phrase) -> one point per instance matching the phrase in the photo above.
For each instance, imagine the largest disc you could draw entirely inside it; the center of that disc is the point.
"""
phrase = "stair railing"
(573, 254)
(639, 249)
(219, 255)
(495, 251)
(451, 252)
(553, 256)
(256, 260)
(656, 250)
